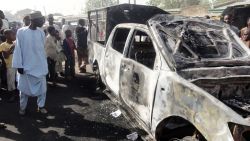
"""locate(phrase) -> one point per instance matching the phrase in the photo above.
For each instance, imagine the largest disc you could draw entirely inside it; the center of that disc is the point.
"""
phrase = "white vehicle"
(181, 78)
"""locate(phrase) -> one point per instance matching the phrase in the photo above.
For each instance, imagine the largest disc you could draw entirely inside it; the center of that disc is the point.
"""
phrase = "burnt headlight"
(239, 132)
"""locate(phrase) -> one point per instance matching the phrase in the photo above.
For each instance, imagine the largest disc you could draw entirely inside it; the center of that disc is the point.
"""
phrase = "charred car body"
(181, 78)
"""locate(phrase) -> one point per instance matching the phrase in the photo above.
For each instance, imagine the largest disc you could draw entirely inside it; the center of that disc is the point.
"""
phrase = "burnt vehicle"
(181, 78)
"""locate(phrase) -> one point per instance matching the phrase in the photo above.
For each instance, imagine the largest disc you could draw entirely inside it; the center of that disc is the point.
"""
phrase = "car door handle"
(136, 78)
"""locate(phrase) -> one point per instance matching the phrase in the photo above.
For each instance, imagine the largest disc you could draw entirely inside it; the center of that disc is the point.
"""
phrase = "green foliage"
(94, 4)
(170, 4)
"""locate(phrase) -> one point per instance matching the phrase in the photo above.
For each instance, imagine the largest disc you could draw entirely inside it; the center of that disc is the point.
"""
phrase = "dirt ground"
(76, 113)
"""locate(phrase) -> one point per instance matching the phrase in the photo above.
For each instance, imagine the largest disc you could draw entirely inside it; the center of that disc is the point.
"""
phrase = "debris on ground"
(116, 114)
(133, 136)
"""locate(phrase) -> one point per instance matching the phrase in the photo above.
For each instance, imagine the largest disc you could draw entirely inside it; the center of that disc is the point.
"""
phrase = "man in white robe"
(30, 60)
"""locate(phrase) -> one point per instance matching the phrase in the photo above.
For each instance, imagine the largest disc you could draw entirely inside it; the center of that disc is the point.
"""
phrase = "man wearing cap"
(30, 60)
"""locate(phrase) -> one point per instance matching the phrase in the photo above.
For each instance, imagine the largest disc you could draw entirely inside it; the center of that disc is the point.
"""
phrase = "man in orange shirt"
(7, 48)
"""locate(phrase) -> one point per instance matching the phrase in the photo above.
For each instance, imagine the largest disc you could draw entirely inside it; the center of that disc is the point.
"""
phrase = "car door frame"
(156, 70)
(106, 70)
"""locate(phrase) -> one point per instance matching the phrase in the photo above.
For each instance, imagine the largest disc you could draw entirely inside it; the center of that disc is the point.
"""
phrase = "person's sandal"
(42, 110)
(21, 112)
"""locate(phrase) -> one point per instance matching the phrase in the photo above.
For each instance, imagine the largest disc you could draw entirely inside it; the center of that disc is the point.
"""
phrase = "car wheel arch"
(171, 125)
(95, 65)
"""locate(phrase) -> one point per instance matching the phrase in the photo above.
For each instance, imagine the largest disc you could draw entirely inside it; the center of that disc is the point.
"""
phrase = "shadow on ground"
(76, 112)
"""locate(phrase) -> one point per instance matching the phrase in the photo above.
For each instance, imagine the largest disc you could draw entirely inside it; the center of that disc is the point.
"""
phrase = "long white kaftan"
(30, 55)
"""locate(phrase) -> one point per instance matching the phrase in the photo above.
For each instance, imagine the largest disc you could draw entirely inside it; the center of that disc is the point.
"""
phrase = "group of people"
(35, 54)
(60, 47)
(244, 33)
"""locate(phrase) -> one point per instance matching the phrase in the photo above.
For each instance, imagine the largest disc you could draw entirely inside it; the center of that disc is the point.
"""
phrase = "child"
(7, 49)
(3, 79)
(2, 125)
(51, 52)
(69, 50)
(60, 54)
(2, 63)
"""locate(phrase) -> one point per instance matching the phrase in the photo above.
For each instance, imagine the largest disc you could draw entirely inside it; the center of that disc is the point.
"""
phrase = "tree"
(94, 4)
(10, 16)
(170, 4)
(21, 13)
(58, 14)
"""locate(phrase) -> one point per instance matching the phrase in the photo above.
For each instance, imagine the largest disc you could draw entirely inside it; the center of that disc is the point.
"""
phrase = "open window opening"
(119, 39)
(142, 49)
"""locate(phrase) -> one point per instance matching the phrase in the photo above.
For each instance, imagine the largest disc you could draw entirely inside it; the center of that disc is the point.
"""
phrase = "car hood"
(187, 42)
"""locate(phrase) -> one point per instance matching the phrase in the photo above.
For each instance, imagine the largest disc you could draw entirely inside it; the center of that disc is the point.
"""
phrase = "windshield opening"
(197, 40)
